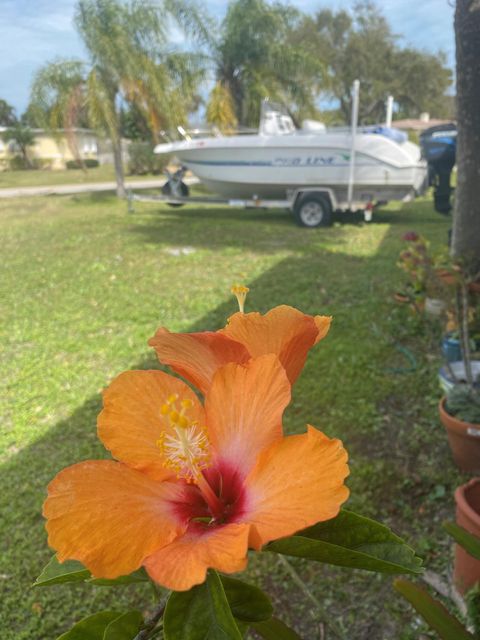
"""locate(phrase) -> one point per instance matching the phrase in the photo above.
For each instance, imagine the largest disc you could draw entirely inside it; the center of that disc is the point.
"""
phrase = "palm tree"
(58, 99)
(127, 44)
(130, 60)
(256, 56)
(220, 109)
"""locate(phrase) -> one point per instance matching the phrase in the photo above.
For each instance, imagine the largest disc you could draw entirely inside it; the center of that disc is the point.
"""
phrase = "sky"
(33, 32)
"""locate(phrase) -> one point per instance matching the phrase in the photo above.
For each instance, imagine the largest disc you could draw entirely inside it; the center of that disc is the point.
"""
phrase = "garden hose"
(408, 356)
(406, 353)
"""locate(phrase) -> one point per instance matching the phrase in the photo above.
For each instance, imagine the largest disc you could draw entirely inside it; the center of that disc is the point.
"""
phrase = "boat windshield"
(274, 120)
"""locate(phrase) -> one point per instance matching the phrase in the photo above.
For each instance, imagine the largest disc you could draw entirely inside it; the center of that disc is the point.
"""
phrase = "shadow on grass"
(214, 227)
(94, 197)
(310, 280)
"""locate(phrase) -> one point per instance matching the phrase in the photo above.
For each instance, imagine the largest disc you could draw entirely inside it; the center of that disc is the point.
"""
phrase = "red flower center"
(230, 497)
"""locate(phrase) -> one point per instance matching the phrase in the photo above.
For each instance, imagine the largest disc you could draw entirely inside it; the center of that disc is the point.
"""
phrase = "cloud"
(33, 32)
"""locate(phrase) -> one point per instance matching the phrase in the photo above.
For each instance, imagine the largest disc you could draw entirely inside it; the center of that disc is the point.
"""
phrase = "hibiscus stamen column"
(240, 292)
(186, 450)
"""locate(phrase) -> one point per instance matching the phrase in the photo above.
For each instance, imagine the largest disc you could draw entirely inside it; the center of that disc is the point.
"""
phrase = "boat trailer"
(311, 206)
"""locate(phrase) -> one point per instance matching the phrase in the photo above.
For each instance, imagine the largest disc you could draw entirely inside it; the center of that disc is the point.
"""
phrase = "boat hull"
(270, 167)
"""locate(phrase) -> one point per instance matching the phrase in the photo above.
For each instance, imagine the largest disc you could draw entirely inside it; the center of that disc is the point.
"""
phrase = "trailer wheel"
(313, 210)
(175, 188)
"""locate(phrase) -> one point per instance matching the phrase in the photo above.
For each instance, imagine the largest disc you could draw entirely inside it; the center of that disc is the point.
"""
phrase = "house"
(52, 149)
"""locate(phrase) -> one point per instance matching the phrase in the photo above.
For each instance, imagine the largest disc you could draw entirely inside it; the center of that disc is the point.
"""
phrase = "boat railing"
(208, 132)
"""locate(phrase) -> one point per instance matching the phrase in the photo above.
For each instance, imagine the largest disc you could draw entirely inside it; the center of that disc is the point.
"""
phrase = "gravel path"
(66, 189)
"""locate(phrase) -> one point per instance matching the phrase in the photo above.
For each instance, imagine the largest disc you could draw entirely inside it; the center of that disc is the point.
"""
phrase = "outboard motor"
(439, 148)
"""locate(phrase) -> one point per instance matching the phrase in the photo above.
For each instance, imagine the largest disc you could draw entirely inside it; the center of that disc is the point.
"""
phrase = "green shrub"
(41, 163)
(143, 160)
(18, 163)
(89, 163)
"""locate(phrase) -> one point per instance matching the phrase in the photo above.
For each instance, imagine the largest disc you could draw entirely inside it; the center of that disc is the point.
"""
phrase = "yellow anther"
(186, 404)
(165, 409)
(183, 421)
(174, 416)
(172, 399)
(240, 292)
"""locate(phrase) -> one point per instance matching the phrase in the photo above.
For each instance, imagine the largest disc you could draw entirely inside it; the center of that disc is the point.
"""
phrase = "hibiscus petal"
(285, 331)
(323, 325)
(108, 516)
(131, 421)
(244, 410)
(196, 356)
(296, 483)
(184, 563)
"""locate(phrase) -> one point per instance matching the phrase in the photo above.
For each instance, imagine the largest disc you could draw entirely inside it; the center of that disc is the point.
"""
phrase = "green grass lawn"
(84, 285)
(44, 177)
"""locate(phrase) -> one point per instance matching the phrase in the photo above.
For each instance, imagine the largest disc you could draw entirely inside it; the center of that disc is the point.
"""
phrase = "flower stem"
(152, 621)
(337, 630)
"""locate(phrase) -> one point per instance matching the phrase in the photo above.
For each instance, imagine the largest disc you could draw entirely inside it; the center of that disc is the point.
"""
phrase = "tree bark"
(466, 219)
(118, 163)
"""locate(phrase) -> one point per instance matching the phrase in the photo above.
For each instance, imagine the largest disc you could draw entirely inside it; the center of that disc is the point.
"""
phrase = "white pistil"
(186, 450)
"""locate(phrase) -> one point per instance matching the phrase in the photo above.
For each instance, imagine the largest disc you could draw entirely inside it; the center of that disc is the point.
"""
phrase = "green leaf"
(74, 571)
(350, 540)
(432, 611)
(137, 576)
(202, 613)
(91, 628)
(275, 629)
(464, 538)
(58, 573)
(125, 627)
(248, 603)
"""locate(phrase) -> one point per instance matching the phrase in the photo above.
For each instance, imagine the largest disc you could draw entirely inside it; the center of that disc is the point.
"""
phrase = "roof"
(75, 130)
(417, 124)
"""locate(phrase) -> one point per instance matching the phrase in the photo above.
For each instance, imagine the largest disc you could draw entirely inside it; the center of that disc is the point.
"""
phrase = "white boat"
(370, 165)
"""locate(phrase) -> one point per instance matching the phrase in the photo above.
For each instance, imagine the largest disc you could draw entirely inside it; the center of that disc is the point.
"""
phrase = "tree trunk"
(118, 163)
(26, 160)
(466, 219)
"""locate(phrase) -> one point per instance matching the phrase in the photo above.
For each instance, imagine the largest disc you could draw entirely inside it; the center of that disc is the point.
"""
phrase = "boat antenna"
(389, 107)
(355, 101)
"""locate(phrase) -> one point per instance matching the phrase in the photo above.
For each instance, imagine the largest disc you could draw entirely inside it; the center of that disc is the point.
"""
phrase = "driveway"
(89, 187)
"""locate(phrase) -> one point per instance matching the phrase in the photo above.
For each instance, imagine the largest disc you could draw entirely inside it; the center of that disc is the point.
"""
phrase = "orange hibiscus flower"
(193, 486)
(284, 331)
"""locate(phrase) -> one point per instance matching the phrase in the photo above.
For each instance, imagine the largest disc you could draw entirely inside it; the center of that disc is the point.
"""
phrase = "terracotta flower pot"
(474, 287)
(464, 440)
(467, 569)
(446, 276)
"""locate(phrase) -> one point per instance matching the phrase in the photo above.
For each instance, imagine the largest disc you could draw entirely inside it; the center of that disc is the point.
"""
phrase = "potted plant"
(412, 260)
(451, 346)
(467, 567)
(460, 415)
(460, 409)
(451, 343)
(451, 273)
(423, 288)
